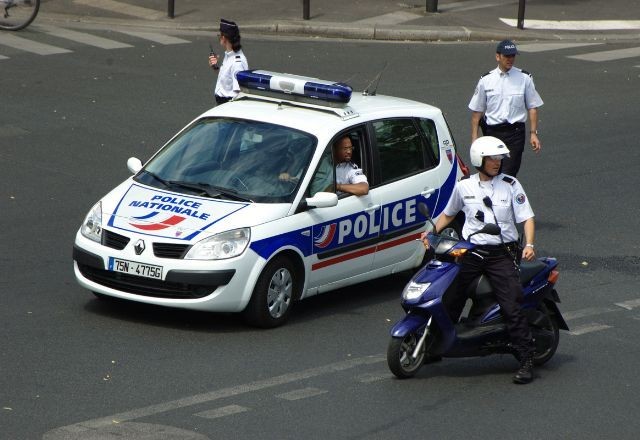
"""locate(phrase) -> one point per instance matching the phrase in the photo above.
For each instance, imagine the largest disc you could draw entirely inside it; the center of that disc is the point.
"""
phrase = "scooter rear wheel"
(400, 356)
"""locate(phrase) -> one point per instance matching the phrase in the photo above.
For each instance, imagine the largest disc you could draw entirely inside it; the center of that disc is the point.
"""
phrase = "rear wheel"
(546, 335)
(273, 295)
(400, 356)
(17, 14)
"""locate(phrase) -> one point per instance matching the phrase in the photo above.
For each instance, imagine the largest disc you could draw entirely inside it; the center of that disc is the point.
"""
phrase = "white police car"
(236, 213)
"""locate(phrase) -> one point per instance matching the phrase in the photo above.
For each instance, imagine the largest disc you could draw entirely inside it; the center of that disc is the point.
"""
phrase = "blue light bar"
(294, 87)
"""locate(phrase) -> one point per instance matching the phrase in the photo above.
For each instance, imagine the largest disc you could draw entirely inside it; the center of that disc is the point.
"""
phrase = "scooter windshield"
(442, 244)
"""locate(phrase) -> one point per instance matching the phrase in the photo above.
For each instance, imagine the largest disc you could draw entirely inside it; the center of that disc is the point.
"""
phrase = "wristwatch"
(529, 245)
(534, 132)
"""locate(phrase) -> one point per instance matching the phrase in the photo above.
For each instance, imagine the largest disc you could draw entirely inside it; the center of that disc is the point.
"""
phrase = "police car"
(237, 212)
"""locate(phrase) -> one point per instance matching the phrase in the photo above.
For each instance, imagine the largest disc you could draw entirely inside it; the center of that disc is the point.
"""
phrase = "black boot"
(525, 372)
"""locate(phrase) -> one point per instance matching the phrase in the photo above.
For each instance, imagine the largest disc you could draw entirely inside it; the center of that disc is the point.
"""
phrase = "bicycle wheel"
(17, 14)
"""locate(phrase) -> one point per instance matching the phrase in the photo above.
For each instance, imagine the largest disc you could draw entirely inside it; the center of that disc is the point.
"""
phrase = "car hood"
(135, 208)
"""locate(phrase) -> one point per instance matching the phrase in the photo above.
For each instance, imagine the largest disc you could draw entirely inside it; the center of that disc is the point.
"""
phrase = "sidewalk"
(456, 20)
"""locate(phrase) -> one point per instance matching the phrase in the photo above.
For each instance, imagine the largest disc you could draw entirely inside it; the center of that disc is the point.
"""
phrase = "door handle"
(372, 208)
(427, 192)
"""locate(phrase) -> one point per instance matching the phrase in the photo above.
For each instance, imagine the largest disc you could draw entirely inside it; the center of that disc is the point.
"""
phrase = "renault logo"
(139, 247)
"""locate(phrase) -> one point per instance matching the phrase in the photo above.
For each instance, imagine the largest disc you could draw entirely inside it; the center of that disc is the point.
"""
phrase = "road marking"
(373, 377)
(631, 304)
(588, 328)
(156, 38)
(389, 19)
(20, 43)
(576, 25)
(81, 37)
(609, 55)
(2, 57)
(588, 312)
(93, 424)
(224, 411)
(471, 5)
(543, 47)
(301, 393)
(122, 8)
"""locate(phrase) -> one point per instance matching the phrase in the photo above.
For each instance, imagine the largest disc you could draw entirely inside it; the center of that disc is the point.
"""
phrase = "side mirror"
(134, 165)
(424, 209)
(322, 200)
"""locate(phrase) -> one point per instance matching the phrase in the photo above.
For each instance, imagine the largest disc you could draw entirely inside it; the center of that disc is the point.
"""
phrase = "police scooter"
(427, 333)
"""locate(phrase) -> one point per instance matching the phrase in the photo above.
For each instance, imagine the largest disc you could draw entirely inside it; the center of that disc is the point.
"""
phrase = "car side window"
(431, 135)
(400, 148)
(323, 179)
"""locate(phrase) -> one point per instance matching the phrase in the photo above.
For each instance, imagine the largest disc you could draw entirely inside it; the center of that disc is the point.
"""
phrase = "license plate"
(135, 268)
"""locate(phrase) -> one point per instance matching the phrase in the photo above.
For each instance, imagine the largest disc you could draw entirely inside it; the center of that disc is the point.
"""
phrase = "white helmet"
(486, 146)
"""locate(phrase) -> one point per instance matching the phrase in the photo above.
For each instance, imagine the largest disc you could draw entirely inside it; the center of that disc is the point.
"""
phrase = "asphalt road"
(72, 366)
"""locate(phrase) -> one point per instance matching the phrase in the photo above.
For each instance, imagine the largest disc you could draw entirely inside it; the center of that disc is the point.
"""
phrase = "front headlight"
(92, 224)
(413, 290)
(220, 246)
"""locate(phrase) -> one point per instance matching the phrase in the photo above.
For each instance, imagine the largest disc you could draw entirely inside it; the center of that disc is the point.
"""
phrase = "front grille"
(170, 250)
(144, 286)
(113, 240)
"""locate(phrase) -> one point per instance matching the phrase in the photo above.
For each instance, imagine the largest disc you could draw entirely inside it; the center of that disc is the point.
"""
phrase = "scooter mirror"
(424, 209)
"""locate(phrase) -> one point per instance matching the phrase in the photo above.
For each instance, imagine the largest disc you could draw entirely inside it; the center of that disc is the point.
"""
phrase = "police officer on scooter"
(492, 197)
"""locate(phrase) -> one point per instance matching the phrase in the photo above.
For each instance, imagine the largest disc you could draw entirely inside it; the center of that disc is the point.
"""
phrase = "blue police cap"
(507, 47)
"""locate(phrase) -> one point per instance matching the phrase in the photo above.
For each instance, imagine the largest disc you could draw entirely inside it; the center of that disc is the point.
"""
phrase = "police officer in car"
(349, 177)
(502, 100)
(493, 197)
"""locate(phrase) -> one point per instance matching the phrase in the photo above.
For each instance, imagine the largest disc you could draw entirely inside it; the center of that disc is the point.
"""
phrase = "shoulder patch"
(509, 180)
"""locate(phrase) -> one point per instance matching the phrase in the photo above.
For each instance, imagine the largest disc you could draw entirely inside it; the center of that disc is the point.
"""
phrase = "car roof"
(313, 118)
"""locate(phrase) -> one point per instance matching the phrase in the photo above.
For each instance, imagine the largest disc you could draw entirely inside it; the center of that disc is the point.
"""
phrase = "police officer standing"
(493, 197)
(502, 100)
(234, 61)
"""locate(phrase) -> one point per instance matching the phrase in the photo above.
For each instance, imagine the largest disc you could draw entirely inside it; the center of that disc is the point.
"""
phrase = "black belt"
(496, 249)
(506, 126)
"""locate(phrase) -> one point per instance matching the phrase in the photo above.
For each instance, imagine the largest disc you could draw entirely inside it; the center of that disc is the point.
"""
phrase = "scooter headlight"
(413, 290)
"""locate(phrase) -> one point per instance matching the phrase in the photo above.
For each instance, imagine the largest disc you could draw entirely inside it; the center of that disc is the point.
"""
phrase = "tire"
(399, 359)
(19, 15)
(273, 294)
(546, 334)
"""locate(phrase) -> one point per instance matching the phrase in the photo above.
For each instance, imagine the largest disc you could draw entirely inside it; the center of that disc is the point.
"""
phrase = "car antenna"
(376, 80)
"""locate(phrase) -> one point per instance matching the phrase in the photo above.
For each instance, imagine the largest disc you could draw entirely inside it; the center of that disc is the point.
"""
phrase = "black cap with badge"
(507, 47)
(229, 29)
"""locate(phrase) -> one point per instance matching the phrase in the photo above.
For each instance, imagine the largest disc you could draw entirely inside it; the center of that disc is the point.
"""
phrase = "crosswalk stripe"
(389, 19)
(632, 303)
(609, 55)
(156, 38)
(543, 47)
(222, 412)
(2, 57)
(590, 311)
(588, 328)
(122, 8)
(81, 37)
(301, 393)
(20, 43)
(576, 25)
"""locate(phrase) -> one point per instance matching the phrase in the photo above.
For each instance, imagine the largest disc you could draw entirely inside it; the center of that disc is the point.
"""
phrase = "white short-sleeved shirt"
(227, 85)
(509, 201)
(505, 96)
(349, 172)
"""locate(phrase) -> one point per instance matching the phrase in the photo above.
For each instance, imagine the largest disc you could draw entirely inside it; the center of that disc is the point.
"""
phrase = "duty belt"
(505, 126)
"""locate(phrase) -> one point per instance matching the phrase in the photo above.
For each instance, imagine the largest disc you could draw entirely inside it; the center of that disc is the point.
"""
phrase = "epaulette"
(464, 177)
(485, 74)
(509, 180)
(238, 58)
(527, 73)
(353, 165)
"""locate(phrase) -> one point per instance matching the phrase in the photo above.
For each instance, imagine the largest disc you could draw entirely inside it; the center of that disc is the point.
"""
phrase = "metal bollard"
(521, 4)
(306, 9)
(171, 9)
(432, 5)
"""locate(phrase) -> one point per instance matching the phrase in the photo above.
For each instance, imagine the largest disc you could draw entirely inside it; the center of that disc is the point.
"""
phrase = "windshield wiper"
(206, 189)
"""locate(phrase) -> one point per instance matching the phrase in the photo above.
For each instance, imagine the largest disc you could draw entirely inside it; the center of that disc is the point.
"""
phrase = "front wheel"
(273, 295)
(400, 356)
(546, 334)
(17, 14)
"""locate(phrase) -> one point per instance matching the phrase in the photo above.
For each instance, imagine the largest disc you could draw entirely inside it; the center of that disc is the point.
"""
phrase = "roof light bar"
(294, 87)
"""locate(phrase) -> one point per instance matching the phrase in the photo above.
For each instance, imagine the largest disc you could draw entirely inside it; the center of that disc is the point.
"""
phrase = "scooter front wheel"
(400, 356)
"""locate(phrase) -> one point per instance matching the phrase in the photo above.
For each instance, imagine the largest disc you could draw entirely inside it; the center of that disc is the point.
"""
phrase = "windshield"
(233, 159)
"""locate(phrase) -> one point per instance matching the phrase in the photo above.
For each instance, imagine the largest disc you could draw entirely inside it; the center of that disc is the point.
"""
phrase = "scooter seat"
(529, 269)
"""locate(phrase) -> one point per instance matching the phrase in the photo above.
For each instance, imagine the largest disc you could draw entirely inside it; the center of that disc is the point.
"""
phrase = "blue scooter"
(427, 333)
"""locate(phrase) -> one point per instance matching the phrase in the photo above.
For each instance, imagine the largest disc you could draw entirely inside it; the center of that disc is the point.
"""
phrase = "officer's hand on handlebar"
(425, 240)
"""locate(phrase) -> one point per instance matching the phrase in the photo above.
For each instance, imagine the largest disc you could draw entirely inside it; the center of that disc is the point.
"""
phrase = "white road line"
(575, 25)
(373, 377)
(81, 37)
(471, 5)
(2, 57)
(20, 43)
(224, 411)
(302, 393)
(122, 8)
(631, 304)
(591, 311)
(389, 19)
(156, 38)
(588, 328)
(93, 424)
(609, 55)
(543, 47)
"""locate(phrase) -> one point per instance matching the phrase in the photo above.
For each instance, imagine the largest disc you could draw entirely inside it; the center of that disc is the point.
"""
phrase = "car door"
(344, 236)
